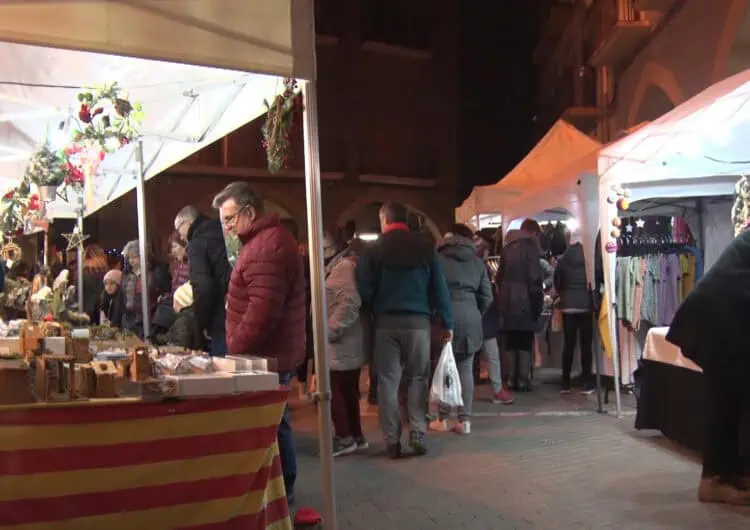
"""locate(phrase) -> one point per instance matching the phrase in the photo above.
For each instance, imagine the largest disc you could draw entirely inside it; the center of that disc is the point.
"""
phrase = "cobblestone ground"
(548, 462)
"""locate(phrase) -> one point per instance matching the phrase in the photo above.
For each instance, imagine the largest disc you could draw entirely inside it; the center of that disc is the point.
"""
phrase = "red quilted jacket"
(266, 299)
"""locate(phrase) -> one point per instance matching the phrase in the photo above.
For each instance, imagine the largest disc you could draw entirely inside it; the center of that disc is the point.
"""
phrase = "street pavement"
(547, 462)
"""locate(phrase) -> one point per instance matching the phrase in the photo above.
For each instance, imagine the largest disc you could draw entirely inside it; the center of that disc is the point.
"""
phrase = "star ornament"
(75, 239)
(640, 223)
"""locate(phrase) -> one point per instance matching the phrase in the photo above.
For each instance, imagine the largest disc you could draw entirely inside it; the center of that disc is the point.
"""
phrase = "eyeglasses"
(230, 220)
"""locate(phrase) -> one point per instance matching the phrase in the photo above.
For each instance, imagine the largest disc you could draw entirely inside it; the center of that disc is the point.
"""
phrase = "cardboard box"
(255, 381)
(198, 385)
(55, 345)
(11, 346)
(235, 363)
(105, 373)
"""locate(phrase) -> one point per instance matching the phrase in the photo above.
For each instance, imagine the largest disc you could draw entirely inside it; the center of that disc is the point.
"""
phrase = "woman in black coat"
(709, 327)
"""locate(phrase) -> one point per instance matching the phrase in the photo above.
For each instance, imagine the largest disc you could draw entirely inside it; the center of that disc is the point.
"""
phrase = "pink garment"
(640, 274)
(681, 230)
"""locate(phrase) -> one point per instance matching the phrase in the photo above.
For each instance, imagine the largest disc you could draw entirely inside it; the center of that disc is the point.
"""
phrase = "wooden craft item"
(140, 365)
(55, 378)
(105, 373)
(85, 381)
(15, 385)
(80, 350)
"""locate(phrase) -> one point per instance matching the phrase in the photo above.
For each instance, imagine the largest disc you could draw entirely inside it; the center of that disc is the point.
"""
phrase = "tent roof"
(697, 149)
(562, 154)
(187, 106)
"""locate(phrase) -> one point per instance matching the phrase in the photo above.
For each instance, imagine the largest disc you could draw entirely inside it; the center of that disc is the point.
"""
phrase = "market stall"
(184, 108)
(564, 152)
(665, 197)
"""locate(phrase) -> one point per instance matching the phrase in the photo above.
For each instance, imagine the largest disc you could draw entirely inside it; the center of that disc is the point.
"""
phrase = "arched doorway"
(287, 219)
(364, 220)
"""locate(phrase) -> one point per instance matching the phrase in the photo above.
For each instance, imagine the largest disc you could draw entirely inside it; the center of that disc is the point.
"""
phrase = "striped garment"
(209, 463)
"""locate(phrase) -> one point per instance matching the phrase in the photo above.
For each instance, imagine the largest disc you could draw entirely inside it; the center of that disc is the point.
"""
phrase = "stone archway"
(287, 219)
(733, 49)
(657, 92)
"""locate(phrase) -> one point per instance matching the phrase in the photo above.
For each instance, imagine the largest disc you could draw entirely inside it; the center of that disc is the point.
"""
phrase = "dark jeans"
(345, 403)
(218, 344)
(286, 443)
(372, 393)
(727, 403)
(575, 324)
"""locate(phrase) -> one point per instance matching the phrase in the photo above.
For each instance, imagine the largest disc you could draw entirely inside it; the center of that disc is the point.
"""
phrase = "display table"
(207, 463)
(672, 396)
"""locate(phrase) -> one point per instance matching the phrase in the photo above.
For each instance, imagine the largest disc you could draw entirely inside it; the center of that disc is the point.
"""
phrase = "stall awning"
(564, 149)
(187, 106)
(696, 149)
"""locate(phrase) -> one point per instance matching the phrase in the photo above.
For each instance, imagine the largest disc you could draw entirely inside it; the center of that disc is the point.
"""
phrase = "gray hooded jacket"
(470, 292)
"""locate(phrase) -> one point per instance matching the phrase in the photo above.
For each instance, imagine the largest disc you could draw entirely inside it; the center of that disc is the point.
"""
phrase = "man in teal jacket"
(401, 280)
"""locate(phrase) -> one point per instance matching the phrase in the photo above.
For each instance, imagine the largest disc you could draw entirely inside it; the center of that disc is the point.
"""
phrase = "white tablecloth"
(658, 349)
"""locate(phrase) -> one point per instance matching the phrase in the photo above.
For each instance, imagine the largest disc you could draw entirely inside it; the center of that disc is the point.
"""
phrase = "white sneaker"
(439, 426)
(462, 427)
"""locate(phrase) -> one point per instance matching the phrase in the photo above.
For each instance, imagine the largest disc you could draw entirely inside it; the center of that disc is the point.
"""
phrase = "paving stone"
(546, 469)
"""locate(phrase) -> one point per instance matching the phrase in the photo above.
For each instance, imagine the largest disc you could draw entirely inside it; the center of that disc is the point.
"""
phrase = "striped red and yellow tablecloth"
(201, 464)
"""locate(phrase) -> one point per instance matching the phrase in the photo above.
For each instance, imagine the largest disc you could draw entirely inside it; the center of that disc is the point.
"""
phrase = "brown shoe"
(711, 490)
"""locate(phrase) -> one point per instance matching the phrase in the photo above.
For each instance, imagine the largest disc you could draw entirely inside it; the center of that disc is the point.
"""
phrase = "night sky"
(496, 91)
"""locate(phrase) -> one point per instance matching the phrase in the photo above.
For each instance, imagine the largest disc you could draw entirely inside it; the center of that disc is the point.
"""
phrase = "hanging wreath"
(46, 167)
(19, 207)
(107, 119)
(279, 122)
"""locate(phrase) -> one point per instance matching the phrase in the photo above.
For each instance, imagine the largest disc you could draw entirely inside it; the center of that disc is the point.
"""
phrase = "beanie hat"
(184, 295)
(114, 275)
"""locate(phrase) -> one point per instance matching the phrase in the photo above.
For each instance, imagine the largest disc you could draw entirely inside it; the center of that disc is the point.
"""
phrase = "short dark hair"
(394, 212)
(531, 226)
(243, 195)
(460, 229)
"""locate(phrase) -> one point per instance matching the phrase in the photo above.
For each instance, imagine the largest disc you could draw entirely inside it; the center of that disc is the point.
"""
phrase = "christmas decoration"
(640, 223)
(615, 233)
(616, 221)
(75, 239)
(106, 119)
(279, 121)
(623, 203)
(18, 206)
(611, 247)
(629, 229)
(46, 167)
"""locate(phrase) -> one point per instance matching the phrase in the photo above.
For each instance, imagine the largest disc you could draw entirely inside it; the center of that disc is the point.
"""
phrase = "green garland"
(46, 167)
(279, 122)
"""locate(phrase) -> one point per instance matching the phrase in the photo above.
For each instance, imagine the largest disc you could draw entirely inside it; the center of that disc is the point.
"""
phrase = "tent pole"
(616, 362)
(318, 305)
(79, 265)
(596, 353)
(140, 195)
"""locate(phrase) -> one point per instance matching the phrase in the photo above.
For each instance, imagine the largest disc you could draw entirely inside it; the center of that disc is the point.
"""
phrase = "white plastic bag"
(446, 385)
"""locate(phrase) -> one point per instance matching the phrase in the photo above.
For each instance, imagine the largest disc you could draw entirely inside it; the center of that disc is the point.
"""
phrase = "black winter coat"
(570, 280)
(709, 326)
(519, 283)
(113, 307)
(209, 274)
(183, 332)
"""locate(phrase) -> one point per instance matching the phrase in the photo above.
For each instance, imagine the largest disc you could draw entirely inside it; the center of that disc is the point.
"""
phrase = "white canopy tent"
(562, 152)
(696, 150)
(187, 107)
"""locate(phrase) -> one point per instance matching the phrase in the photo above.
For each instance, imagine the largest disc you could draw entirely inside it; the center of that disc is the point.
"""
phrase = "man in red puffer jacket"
(266, 307)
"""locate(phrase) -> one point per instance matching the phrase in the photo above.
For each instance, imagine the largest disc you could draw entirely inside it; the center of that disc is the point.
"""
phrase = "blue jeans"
(219, 344)
(286, 443)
